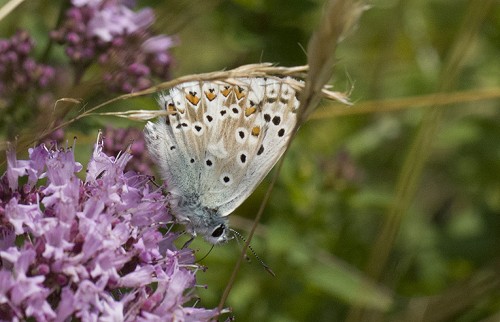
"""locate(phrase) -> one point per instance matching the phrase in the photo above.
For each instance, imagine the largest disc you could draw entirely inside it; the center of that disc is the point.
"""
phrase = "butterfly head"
(207, 223)
(217, 234)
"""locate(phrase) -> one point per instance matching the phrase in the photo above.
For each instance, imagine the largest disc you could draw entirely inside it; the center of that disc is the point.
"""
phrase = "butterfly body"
(218, 143)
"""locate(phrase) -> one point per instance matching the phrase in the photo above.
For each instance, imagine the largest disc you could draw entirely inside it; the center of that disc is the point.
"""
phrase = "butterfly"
(218, 143)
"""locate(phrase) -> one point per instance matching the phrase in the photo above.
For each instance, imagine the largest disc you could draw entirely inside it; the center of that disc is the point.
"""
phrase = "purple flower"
(117, 139)
(158, 44)
(18, 71)
(90, 249)
(110, 33)
(118, 20)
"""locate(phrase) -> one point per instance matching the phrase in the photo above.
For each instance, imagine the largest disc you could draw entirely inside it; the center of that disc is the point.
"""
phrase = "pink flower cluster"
(117, 138)
(120, 40)
(18, 70)
(89, 250)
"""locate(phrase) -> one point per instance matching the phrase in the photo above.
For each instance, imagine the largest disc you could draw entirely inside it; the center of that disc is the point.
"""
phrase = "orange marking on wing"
(192, 98)
(256, 130)
(239, 93)
(210, 95)
(249, 111)
(226, 91)
(171, 108)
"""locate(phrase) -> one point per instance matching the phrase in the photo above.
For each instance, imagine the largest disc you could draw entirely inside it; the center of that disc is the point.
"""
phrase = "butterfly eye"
(218, 231)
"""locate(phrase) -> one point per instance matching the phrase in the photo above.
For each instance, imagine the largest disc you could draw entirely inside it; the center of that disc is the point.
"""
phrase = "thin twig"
(9, 7)
(237, 266)
(404, 103)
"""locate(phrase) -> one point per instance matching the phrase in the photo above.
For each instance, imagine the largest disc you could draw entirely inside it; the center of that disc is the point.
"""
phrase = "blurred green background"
(379, 214)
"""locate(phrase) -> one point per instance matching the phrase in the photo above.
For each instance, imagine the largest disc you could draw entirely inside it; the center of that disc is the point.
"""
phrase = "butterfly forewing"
(252, 157)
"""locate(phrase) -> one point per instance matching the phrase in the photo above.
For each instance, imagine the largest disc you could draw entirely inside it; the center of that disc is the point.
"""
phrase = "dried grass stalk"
(338, 20)
(252, 70)
(7, 8)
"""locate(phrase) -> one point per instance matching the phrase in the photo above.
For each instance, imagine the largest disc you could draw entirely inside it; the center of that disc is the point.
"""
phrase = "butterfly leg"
(186, 244)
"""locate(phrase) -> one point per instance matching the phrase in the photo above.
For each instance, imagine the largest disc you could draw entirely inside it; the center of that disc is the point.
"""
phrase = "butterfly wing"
(222, 139)
(171, 142)
(262, 115)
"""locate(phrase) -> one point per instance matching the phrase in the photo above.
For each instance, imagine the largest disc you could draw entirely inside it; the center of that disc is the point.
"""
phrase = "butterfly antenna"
(206, 254)
(266, 267)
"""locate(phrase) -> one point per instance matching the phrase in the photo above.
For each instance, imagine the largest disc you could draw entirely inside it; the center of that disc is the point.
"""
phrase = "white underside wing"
(219, 143)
